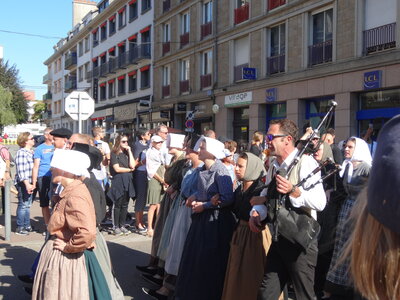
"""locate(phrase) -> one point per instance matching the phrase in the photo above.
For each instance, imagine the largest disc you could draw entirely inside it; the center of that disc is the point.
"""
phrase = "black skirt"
(205, 255)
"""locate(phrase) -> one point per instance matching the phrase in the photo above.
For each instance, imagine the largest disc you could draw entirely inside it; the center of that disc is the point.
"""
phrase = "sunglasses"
(270, 137)
(124, 142)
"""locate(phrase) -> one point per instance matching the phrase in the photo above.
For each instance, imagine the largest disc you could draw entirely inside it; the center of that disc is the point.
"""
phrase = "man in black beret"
(60, 137)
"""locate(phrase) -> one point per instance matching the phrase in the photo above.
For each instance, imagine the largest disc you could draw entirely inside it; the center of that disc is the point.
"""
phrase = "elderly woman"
(355, 172)
(23, 182)
(249, 249)
(205, 255)
(67, 267)
(122, 165)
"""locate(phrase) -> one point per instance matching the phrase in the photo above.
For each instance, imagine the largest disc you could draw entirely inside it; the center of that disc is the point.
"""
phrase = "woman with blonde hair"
(256, 141)
(375, 243)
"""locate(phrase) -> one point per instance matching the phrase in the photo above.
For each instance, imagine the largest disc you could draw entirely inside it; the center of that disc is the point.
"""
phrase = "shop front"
(125, 118)
(103, 118)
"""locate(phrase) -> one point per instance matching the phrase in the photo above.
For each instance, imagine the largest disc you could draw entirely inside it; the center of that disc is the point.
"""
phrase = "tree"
(10, 81)
(7, 116)
(39, 108)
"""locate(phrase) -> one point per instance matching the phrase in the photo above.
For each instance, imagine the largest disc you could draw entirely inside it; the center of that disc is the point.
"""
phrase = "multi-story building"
(268, 59)
(108, 54)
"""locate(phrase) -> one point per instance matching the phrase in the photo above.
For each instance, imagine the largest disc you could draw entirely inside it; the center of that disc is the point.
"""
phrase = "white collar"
(287, 161)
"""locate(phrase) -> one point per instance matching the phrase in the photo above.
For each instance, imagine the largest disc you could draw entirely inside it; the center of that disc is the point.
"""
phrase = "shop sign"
(159, 116)
(181, 106)
(239, 99)
(271, 95)
(164, 114)
(372, 80)
(249, 73)
(125, 112)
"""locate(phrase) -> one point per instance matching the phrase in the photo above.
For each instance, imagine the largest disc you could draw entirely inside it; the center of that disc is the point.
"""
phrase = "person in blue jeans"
(23, 182)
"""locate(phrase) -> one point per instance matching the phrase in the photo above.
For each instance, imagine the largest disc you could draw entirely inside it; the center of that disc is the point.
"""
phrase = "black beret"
(94, 154)
(384, 179)
(61, 132)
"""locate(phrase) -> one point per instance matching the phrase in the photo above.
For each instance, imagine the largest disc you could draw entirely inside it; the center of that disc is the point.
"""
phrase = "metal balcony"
(96, 72)
(320, 53)
(70, 61)
(165, 91)
(47, 78)
(47, 96)
(46, 115)
(88, 76)
(145, 51)
(241, 14)
(112, 65)
(122, 60)
(276, 64)
(184, 86)
(166, 47)
(205, 81)
(184, 38)
(379, 38)
(70, 84)
(206, 29)
(104, 70)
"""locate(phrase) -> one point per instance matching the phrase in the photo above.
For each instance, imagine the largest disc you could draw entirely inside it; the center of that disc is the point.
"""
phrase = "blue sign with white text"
(271, 95)
(372, 80)
(250, 73)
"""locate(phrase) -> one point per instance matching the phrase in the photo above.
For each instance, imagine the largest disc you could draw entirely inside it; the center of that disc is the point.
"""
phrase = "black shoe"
(153, 280)
(28, 290)
(25, 278)
(147, 269)
(154, 294)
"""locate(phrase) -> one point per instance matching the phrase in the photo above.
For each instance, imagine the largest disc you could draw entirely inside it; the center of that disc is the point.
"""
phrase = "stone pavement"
(17, 255)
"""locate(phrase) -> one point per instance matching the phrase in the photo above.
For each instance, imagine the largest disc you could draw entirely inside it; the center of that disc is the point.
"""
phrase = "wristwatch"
(293, 189)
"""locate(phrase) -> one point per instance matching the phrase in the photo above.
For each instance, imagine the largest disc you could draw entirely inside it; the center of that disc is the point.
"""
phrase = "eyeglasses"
(124, 142)
(164, 132)
(270, 137)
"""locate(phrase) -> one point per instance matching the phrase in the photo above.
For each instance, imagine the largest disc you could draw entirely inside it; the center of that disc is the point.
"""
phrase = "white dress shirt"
(314, 198)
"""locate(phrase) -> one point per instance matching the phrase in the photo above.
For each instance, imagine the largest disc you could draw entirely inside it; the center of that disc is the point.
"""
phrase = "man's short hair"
(82, 138)
(47, 130)
(331, 131)
(97, 130)
(286, 126)
(159, 127)
(141, 131)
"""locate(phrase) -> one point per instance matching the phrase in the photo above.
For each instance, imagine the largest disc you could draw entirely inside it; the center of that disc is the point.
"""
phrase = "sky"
(52, 18)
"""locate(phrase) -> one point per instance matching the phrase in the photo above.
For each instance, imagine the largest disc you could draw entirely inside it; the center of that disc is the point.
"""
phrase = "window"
(207, 12)
(185, 23)
(86, 71)
(133, 10)
(95, 37)
(132, 81)
(146, 5)
(242, 55)
(184, 69)
(166, 32)
(146, 43)
(320, 50)
(111, 88)
(275, 3)
(112, 25)
(206, 65)
(103, 90)
(121, 18)
(165, 81)
(241, 13)
(103, 6)
(80, 73)
(87, 44)
(145, 77)
(103, 31)
(121, 85)
(277, 46)
(80, 48)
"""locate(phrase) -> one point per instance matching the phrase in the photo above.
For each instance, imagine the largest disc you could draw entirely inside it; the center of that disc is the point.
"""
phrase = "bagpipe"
(296, 224)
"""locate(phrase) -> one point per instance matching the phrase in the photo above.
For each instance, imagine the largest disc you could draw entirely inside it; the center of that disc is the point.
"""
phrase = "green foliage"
(9, 80)
(7, 116)
(39, 108)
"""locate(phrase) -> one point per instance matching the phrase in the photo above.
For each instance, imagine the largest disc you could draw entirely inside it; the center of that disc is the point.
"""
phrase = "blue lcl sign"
(372, 80)
(271, 95)
(250, 73)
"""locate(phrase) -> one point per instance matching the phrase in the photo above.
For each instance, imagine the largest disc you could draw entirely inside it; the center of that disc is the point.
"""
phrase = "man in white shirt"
(287, 259)
(98, 136)
(162, 131)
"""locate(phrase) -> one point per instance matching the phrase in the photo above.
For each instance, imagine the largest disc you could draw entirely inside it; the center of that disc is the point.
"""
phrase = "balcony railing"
(241, 14)
(320, 53)
(139, 52)
(238, 72)
(88, 75)
(184, 39)
(184, 86)
(276, 64)
(122, 60)
(205, 81)
(104, 70)
(112, 65)
(47, 96)
(206, 29)
(166, 47)
(165, 90)
(46, 78)
(70, 84)
(70, 60)
(96, 72)
(166, 5)
(379, 38)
